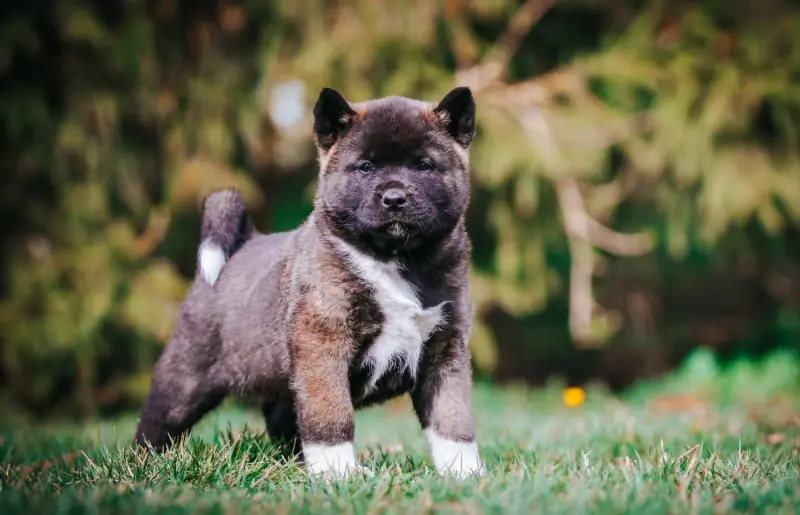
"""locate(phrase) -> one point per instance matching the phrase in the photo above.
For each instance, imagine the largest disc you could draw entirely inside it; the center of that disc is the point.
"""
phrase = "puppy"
(367, 300)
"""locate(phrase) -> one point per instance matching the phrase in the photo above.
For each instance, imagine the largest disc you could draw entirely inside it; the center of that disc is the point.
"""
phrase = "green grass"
(701, 441)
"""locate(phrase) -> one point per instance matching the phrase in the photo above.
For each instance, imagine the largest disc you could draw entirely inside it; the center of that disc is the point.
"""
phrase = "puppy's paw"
(333, 475)
(462, 466)
(332, 462)
(453, 458)
(463, 469)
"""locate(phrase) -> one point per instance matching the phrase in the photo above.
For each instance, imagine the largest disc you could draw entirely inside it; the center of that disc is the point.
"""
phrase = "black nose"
(394, 198)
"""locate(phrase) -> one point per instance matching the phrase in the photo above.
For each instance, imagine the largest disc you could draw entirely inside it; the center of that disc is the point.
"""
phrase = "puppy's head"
(394, 172)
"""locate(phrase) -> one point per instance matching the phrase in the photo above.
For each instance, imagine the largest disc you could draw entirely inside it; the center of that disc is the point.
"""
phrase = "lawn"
(699, 441)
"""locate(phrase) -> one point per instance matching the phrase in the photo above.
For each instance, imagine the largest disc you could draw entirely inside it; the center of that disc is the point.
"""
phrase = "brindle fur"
(288, 322)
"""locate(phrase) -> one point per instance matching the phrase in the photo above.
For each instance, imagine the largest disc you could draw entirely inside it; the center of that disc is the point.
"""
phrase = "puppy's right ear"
(333, 116)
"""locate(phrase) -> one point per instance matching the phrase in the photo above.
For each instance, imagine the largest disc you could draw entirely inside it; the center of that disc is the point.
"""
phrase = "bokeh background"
(636, 173)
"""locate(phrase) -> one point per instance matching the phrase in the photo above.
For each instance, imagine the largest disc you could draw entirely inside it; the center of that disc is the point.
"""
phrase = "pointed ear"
(333, 116)
(457, 112)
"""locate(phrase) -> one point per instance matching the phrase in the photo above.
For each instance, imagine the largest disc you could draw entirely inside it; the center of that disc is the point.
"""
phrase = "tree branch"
(618, 243)
(583, 233)
(518, 27)
(494, 65)
(576, 224)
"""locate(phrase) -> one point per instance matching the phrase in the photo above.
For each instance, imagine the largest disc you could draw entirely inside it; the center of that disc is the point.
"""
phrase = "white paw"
(332, 461)
(452, 458)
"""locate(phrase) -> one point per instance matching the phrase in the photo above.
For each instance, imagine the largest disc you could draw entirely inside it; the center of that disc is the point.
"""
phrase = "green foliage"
(743, 380)
(676, 120)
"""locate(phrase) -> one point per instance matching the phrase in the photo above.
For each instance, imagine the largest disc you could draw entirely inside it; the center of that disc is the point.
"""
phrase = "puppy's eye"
(425, 164)
(365, 167)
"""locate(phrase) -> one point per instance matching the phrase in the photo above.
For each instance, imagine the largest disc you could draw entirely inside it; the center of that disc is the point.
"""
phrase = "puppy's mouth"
(395, 235)
(394, 229)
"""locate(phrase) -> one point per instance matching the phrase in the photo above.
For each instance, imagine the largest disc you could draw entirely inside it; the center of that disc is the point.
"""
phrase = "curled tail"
(226, 227)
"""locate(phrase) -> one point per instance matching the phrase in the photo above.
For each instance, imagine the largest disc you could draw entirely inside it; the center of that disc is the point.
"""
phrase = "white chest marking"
(406, 325)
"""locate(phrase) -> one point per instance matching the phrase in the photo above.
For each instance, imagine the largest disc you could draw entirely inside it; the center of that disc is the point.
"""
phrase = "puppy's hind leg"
(181, 392)
(281, 420)
(173, 406)
(184, 387)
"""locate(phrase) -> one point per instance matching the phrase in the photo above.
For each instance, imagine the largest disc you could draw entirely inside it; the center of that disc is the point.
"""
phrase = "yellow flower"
(573, 396)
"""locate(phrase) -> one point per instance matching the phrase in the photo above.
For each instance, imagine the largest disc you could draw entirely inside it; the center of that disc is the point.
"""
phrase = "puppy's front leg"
(324, 406)
(441, 400)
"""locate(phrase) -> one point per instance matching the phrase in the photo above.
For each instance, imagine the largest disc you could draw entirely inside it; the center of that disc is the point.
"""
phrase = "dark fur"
(288, 322)
(225, 221)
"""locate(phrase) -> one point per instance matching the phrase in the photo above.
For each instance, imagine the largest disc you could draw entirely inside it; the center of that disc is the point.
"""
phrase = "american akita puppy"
(365, 301)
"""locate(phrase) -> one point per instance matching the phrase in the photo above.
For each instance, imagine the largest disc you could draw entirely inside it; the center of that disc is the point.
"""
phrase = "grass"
(701, 441)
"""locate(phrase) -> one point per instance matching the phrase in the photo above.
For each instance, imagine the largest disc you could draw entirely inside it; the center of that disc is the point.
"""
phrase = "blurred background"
(636, 173)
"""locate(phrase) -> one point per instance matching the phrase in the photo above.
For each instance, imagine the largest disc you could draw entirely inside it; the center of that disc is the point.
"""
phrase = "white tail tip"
(212, 259)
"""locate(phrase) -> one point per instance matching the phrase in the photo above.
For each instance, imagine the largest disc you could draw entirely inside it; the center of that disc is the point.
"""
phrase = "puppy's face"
(394, 172)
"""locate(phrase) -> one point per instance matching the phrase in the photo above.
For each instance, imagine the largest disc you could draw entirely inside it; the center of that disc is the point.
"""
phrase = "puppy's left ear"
(457, 112)
(333, 117)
